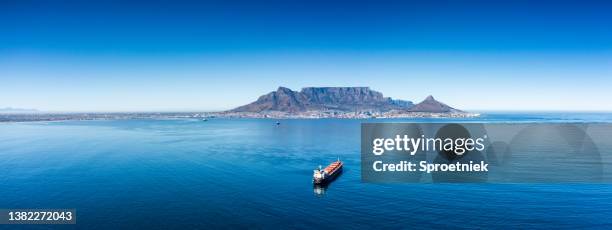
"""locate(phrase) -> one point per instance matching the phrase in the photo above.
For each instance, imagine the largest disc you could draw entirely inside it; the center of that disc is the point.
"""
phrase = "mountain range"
(343, 99)
(17, 110)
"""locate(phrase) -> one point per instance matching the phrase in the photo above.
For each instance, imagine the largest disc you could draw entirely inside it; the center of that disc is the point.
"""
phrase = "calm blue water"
(159, 174)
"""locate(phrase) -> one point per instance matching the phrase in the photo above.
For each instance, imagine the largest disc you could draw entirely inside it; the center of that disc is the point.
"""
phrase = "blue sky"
(165, 56)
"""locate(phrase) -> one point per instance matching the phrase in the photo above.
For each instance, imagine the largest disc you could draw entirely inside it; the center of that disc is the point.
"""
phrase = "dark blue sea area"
(253, 173)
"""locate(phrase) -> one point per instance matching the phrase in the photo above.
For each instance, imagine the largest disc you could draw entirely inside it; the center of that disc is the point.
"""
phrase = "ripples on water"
(255, 174)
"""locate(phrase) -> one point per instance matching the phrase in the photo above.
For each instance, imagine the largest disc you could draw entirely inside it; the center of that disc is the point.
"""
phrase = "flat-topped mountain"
(341, 99)
(324, 98)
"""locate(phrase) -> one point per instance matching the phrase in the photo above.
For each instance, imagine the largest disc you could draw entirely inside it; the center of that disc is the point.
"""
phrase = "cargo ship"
(322, 176)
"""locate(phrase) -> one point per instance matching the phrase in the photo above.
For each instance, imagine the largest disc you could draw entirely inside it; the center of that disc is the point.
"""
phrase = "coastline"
(346, 115)
(35, 117)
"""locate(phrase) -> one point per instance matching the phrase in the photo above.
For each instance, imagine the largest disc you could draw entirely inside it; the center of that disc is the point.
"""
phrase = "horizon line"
(218, 111)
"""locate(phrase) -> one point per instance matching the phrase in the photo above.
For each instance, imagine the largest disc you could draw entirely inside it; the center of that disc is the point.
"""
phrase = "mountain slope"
(431, 105)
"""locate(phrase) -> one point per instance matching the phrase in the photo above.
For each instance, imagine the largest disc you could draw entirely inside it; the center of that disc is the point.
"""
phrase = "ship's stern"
(318, 176)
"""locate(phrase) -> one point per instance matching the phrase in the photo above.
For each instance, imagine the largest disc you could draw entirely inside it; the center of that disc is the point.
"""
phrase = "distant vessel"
(204, 119)
(278, 123)
(323, 176)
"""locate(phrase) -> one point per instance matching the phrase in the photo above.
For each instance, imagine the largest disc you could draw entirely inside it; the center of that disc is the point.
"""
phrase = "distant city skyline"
(112, 56)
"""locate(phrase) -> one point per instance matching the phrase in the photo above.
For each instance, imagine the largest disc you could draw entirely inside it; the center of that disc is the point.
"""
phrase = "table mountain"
(324, 98)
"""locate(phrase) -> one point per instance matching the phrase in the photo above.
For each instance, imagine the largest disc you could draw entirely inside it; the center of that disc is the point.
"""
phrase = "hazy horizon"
(211, 56)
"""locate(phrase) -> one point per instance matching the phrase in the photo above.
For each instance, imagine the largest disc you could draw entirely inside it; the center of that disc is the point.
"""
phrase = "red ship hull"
(329, 173)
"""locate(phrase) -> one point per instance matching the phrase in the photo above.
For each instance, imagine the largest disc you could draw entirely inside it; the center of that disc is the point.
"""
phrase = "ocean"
(252, 173)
